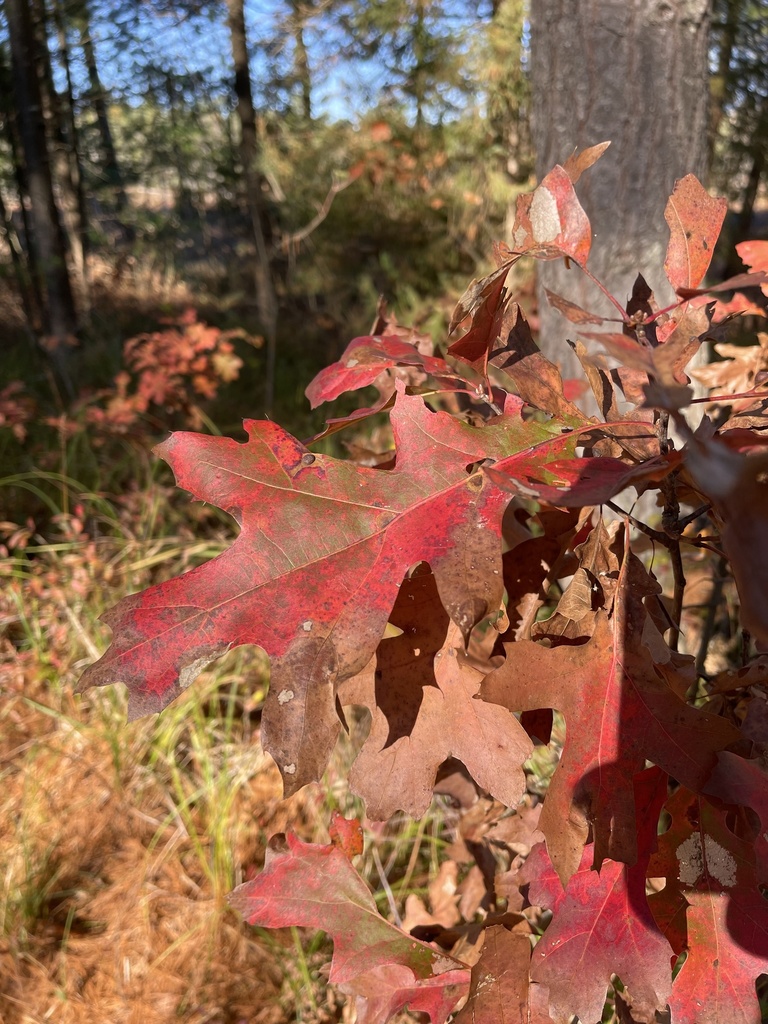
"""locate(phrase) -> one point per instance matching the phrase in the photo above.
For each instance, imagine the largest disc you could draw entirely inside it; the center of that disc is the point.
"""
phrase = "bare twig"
(288, 241)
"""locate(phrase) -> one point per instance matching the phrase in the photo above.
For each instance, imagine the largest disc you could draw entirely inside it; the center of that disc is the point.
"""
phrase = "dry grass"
(119, 842)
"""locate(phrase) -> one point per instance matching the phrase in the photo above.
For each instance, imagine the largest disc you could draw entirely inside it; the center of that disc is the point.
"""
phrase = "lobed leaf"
(323, 547)
(315, 886)
(421, 695)
(602, 926)
(720, 915)
(364, 359)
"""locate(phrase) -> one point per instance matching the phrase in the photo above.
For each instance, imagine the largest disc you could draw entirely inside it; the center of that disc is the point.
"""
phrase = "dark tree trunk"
(72, 136)
(61, 320)
(111, 165)
(10, 129)
(720, 86)
(634, 72)
(59, 149)
(756, 171)
(20, 268)
(266, 300)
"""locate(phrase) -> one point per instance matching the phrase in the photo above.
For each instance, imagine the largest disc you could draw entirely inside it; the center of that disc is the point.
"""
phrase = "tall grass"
(119, 842)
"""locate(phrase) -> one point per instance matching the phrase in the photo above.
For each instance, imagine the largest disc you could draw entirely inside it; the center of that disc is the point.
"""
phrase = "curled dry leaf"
(535, 378)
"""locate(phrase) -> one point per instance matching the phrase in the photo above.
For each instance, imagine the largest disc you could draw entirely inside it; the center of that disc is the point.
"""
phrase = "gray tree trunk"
(634, 72)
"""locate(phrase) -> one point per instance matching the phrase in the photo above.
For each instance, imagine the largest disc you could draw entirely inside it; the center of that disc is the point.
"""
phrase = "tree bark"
(720, 85)
(634, 72)
(60, 316)
(266, 300)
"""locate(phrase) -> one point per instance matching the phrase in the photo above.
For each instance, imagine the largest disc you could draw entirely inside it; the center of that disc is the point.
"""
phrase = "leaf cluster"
(463, 587)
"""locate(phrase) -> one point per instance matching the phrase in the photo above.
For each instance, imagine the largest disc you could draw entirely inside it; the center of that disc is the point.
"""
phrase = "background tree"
(636, 73)
(739, 112)
(49, 246)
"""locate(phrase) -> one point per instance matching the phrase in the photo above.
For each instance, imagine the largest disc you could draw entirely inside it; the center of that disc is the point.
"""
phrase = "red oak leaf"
(550, 221)
(313, 575)
(745, 783)
(602, 925)
(574, 483)
(620, 711)
(364, 359)
(755, 255)
(694, 219)
(711, 876)
(314, 886)
(421, 696)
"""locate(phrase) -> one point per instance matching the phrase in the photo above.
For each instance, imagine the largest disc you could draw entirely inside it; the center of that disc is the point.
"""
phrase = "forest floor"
(120, 841)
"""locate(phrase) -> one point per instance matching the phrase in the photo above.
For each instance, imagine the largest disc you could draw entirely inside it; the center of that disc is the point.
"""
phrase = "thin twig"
(325, 208)
(713, 604)
(670, 522)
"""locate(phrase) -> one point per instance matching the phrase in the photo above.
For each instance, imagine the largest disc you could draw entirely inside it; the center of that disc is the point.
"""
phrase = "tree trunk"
(20, 268)
(61, 320)
(10, 129)
(111, 165)
(719, 85)
(301, 57)
(266, 300)
(73, 137)
(634, 72)
(57, 132)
